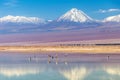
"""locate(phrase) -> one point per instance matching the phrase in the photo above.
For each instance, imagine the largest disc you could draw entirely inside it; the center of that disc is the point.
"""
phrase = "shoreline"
(86, 49)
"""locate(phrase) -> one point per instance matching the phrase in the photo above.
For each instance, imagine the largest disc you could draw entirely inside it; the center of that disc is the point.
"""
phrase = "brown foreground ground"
(70, 49)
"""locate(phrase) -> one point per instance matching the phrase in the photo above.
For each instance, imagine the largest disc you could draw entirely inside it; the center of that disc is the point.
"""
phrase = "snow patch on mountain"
(115, 18)
(21, 19)
(75, 15)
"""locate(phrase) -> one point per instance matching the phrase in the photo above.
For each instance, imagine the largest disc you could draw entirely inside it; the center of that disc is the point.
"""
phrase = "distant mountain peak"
(115, 18)
(74, 10)
(75, 15)
(21, 19)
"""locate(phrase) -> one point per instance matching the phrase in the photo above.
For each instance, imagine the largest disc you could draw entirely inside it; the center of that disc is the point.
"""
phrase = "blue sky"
(52, 9)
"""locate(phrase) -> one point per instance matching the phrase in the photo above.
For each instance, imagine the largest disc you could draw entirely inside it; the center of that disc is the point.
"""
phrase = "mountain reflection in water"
(18, 71)
(82, 71)
(79, 67)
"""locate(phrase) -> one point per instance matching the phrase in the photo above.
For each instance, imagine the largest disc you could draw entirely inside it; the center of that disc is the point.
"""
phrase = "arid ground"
(71, 49)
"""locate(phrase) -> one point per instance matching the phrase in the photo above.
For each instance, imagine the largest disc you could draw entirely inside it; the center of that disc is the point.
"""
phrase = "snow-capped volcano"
(21, 19)
(75, 15)
(112, 19)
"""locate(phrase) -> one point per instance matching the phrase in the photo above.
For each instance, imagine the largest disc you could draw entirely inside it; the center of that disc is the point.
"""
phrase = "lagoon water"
(39, 66)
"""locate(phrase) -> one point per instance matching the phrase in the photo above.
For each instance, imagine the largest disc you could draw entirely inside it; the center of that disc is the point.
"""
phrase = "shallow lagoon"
(22, 66)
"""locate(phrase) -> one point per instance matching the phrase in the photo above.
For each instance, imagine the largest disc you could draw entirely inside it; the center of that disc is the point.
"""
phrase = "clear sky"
(52, 9)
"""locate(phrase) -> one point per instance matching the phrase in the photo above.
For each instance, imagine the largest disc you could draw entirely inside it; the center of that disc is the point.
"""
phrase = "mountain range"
(74, 25)
(74, 15)
(74, 19)
(20, 19)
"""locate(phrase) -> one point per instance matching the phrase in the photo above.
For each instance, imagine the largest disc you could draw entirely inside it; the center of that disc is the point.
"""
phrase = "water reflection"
(59, 67)
(109, 71)
(19, 70)
(75, 73)
(113, 70)
(78, 71)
